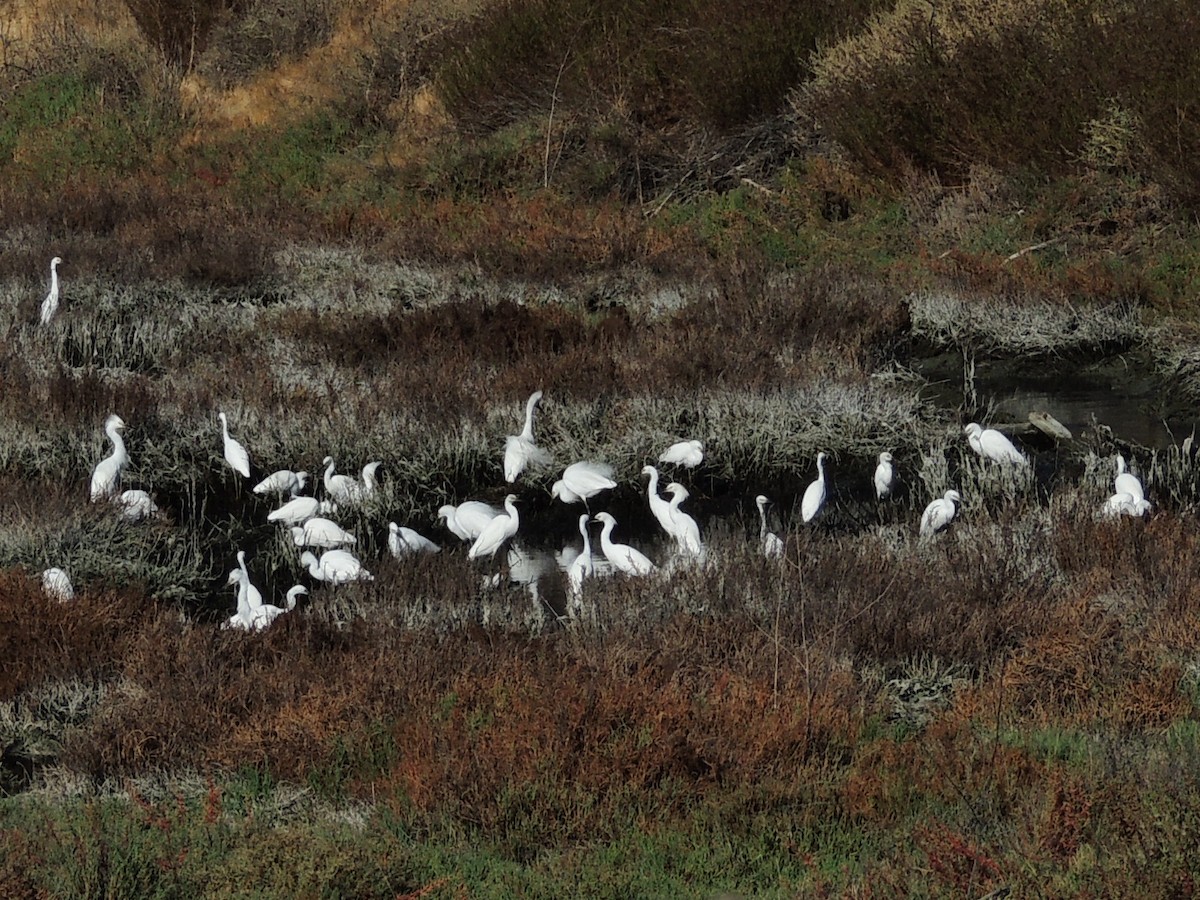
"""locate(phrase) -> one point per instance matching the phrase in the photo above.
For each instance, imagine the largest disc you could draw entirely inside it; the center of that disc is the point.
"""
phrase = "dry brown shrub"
(1067, 816)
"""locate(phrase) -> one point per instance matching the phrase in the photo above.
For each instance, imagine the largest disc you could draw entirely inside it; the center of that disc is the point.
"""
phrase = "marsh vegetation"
(758, 236)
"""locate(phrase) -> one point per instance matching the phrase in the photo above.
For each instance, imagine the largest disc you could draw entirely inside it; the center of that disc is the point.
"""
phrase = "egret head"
(973, 428)
(603, 517)
(234, 576)
(115, 421)
(557, 489)
(393, 527)
(535, 397)
(649, 470)
(885, 457)
(821, 457)
(678, 490)
(55, 262)
(307, 558)
(445, 512)
(301, 480)
(954, 496)
(327, 461)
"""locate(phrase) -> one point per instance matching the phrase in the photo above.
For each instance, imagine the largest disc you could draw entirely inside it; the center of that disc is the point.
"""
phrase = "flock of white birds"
(488, 529)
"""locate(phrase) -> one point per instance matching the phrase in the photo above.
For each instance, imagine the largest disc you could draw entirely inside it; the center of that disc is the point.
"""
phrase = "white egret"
(370, 483)
(622, 556)
(321, 532)
(106, 477)
(253, 595)
(885, 476)
(335, 566)
(137, 505)
(1127, 482)
(264, 615)
(658, 506)
(340, 488)
(499, 530)
(688, 454)
(283, 481)
(235, 453)
(582, 566)
(940, 513)
(299, 510)
(467, 520)
(582, 480)
(814, 494)
(991, 444)
(1123, 503)
(687, 531)
(403, 541)
(772, 544)
(50, 304)
(56, 585)
(244, 617)
(519, 449)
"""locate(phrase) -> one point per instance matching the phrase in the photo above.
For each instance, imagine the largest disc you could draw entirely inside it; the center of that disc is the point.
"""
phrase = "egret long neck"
(527, 433)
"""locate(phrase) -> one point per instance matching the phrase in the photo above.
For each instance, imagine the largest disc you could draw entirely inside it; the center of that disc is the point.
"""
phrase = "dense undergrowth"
(371, 229)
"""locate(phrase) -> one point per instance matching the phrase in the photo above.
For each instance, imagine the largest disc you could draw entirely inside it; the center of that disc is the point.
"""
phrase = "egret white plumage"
(519, 449)
(339, 488)
(299, 510)
(940, 513)
(335, 566)
(582, 480)
(885, 476)
(498, 531)
(321, 532)
(582, 566)
(253, 595)
(622, 556)
(283, 481)
(687, 530)
(56, 584)
(991, 444)
(235, 453)
(1123, 503)
(262, 616)
(106, 477)
(658, 506)
(467, 520)
(137, 505)
(403, 541)
(50, 304)
(772, 544)
(1126, 482)
(688, 454)
(814, 494)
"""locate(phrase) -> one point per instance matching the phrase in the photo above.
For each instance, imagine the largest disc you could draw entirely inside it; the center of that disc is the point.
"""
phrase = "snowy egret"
(340, 488)
(403, 541)
(235, 453)
(107, 475)
(687, 531)
(252, 593)
(688, 454)
(582, 566)
(1127, 482)
(939, 514)
(370, 483)
(137, 505)
(885, 476)
(50, 304)
(519, 449)
(283, 481)
(991, 444)
(467, 520)
(499, 530)
(582, 480)
(622, 556)
(321, 532)
(299, 510)
(335, 566)
(658, 506)
(814, 494)
(772, 544)
(56, 585)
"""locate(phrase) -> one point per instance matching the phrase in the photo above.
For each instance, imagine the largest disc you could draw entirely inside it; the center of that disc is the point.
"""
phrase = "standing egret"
(56, 585)
(498, 531)
(137, 505)
(106, 477)
(299, 510)
(991, 444)
(939, 514)
(688, 454)
(885, 477)
(814, 494)
(235, 453)
(403, 541)
(582, 480)
(658, 506)
(335, 566)
(321, 532)
(519, 449)
(772, 544)
(370, 482)
(1127, 482)
(284, 481)
(340, 488)
(253, 594)
(622, 556)
(582, 566)
(50, 304)
(687, 531)
(467, 520)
